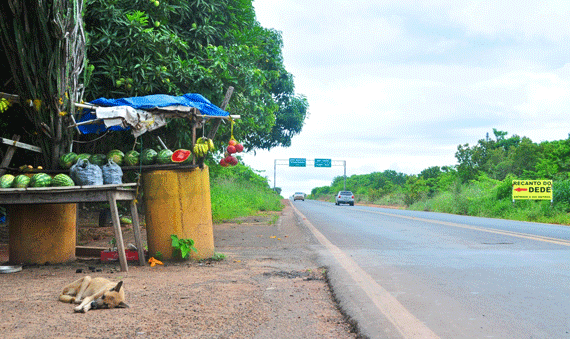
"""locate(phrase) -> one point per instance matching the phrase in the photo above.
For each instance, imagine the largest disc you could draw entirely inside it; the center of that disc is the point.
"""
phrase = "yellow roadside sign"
(532, 190)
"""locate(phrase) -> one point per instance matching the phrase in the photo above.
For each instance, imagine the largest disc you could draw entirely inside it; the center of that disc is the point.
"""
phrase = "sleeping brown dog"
(94, 293)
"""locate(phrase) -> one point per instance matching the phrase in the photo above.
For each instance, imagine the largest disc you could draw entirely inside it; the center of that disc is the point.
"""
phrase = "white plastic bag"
(112, 173)
(85, 173)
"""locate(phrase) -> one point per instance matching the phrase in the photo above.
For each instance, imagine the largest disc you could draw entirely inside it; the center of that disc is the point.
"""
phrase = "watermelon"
(148, 156)
(40, 180)
(62, 180)
(6, 181)
(117, 156)
(67, 160)
(180, 155)
(164, 156)
(131, 158)
(98, 159)
(21, 181)
(85, 156)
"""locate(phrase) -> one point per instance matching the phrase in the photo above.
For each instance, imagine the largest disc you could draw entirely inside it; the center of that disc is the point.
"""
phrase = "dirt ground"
(268, 286)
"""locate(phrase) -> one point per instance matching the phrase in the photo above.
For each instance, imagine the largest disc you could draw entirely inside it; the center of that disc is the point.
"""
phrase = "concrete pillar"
(42, 234)
(178, 202)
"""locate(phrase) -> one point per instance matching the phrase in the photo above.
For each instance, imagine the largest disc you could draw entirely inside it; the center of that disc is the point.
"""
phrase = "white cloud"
(399, 84)
(523, 20)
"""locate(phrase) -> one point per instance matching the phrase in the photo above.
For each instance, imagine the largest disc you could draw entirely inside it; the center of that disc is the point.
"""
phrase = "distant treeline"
(480, 184)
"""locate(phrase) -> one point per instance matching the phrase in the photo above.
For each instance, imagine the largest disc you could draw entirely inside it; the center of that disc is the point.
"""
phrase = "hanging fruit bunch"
(234, 147)
(203, 146)
(4, 105)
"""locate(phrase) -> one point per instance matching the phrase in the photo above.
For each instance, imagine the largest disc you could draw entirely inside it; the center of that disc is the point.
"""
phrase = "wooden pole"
(9, 154)
(223, 106)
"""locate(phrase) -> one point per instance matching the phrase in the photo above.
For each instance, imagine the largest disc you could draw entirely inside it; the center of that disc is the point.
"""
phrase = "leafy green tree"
(431, 172)
(447, 178)
(415, 189)
(524, 157)
(43, 45)
(138, 48)
(467, 168)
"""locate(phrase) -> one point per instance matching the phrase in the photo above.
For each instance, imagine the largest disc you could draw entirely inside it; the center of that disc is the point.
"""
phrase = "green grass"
(476, 201)
(241, 193)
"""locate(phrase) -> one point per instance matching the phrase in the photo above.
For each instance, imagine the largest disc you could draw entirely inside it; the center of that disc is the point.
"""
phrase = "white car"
(344, 197)
(299, 196)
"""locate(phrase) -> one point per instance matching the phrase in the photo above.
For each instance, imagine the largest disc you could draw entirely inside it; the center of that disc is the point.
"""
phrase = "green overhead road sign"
(297, 162)
(323, 163)
(302, 162)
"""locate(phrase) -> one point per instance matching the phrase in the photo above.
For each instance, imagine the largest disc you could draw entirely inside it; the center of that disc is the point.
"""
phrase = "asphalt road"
(408, 274)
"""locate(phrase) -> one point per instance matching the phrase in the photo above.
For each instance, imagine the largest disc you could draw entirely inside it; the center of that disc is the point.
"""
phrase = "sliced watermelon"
(180, 155)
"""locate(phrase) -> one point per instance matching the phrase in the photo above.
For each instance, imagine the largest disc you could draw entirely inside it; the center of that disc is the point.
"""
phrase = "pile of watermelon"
(147, 156)
(36, 180)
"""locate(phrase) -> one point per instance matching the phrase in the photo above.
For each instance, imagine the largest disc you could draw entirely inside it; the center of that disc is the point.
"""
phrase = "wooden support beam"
(223, 106)
(21, 145)
(8, 156)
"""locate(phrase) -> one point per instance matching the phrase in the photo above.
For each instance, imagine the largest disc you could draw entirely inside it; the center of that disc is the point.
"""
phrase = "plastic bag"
(85, 173)
(112, 173)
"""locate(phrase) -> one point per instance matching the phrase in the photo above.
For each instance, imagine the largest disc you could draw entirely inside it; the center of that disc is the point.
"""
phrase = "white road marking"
(482, 229)
(405, 322)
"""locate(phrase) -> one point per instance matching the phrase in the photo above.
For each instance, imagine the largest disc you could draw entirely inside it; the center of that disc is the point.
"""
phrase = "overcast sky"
(399, 84)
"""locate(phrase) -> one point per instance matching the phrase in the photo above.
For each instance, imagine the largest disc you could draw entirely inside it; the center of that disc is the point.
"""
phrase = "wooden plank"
(61, 195)
(21, 145)
(217, 123)
(11, 97)
(89, 251)
(8, 156)
(118, 233)
(137, 232)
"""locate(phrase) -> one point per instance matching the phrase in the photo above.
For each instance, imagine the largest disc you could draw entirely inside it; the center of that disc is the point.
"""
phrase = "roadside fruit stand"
(42, 220)
(174, 184)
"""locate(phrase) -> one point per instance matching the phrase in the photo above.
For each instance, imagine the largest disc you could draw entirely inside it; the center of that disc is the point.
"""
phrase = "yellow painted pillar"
(178, 202)
(42, 234)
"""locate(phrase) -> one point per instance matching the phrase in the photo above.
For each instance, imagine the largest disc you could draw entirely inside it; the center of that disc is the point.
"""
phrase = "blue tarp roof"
(149, 102)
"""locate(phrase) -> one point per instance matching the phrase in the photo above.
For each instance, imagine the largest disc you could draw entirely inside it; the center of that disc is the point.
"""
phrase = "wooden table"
(77, 194)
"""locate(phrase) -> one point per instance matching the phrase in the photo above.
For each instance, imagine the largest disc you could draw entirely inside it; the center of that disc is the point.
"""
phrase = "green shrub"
(504, 189)
(561, 194)
(238, 191)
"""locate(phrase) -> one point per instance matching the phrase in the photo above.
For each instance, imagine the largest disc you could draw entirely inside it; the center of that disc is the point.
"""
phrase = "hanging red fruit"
(231, 160)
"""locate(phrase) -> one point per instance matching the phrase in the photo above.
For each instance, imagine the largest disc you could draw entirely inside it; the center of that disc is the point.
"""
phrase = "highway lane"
(457, 276)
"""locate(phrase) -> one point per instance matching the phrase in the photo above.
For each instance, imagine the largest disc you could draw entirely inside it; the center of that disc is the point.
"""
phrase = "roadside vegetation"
(137, 48)
(479, 185)
(239, 191)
